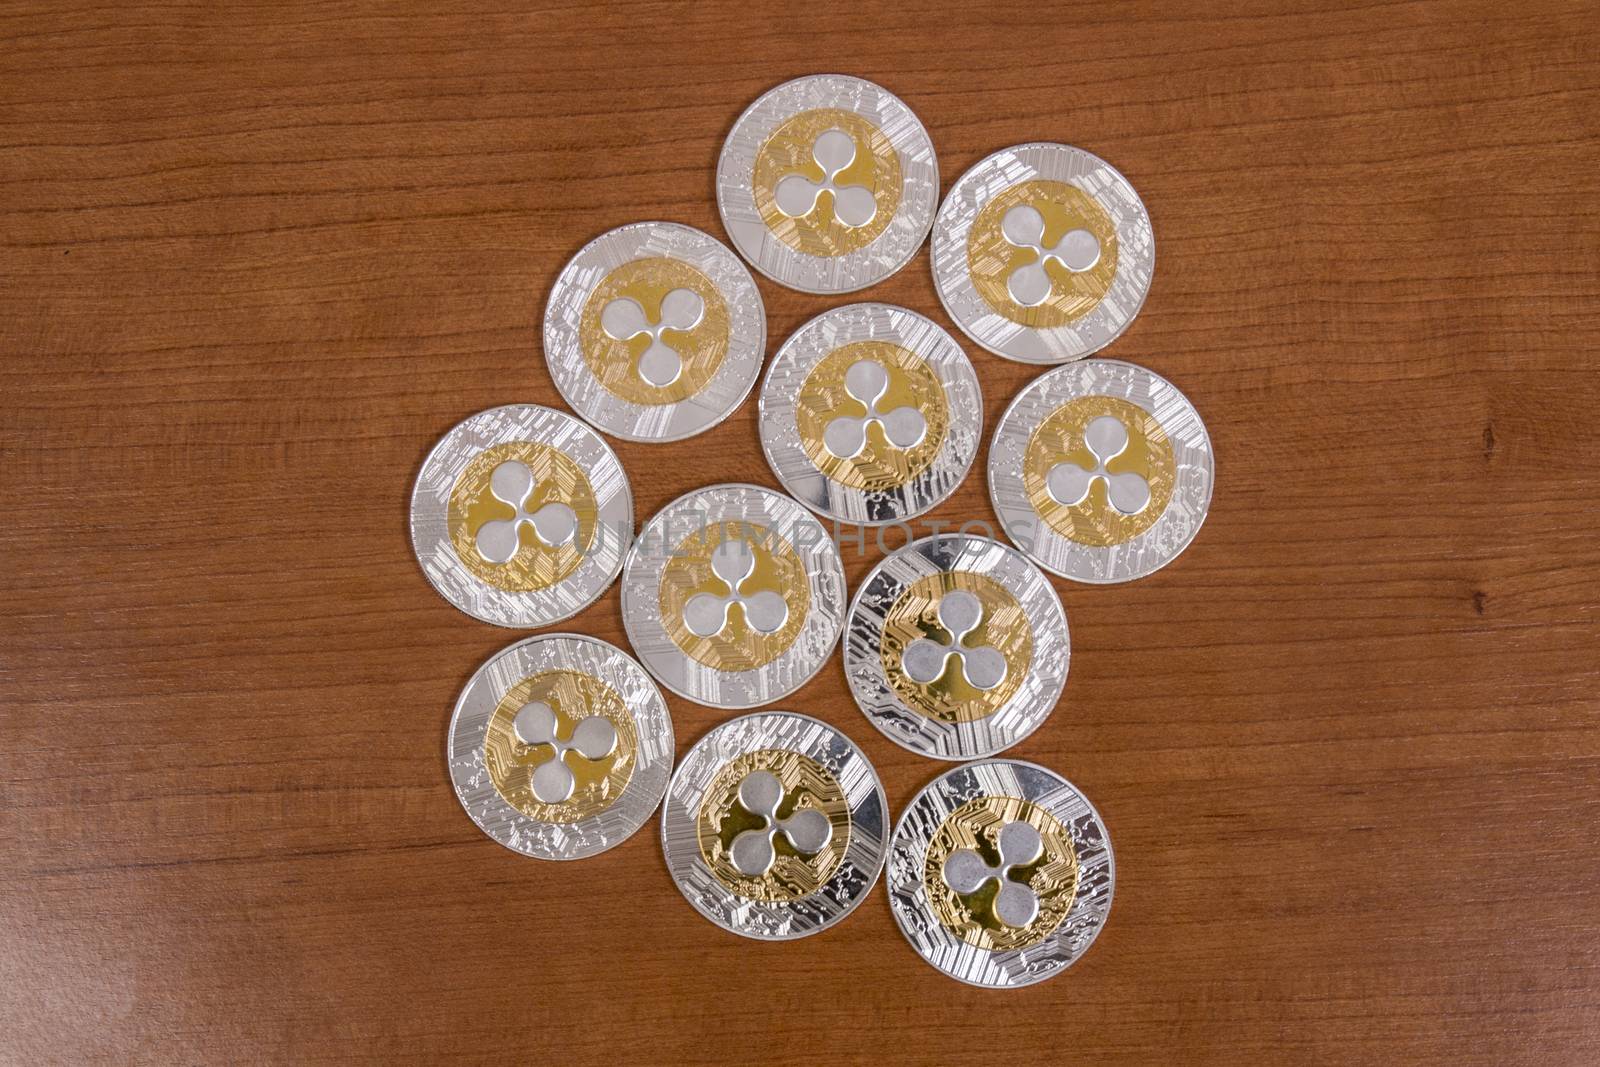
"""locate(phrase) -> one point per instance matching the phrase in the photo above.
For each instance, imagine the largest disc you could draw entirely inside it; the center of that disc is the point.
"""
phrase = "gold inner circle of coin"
(806, 784)
(737, 646)
(789, 150)
(880, 465)
(991, 259)
(1060, 439)
(615, 362)
(573, 696)
(915, 616)
(1053, 877)
(556, 480)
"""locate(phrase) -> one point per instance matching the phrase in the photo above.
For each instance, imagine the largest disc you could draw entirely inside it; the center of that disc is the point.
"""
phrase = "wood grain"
(256, 258)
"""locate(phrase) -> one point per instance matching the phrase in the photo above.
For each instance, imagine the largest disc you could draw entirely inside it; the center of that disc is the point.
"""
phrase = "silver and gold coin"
(827, 184)
(521, 516)
(733, 596)
(956, 647)
(1101, 471)
(774, 826)
(871, 414)
(560, 746)
(654, 332)
(1043, 253)
(1000, 873)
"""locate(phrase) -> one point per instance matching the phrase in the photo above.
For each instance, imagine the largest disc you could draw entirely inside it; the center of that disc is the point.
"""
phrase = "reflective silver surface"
(886, 254)
(1016, 903)
(870, 671)
(761, 514)
(1184, 512)
(1077, 250)
(623, 320)
(848, 884)
(552, 779)
(430, 523)
(961, 419)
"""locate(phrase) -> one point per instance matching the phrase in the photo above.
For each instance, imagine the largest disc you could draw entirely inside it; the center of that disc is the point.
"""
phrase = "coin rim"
(1194, 460)
(671, 666)
(780, 442)
(648, 782)
(622, 418)
(517, 610)
(739, 906)
(882, 706)
(908, 893)
(952, 281)
(789, 266)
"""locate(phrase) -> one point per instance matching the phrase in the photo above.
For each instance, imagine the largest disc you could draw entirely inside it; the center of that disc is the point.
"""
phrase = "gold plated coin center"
(827, 182)
(654, 331)
(872, 415)
(1001, 873)
(522, 516)
(773, 825)
(734, 596)
(1099, 470)
(1042, 253)
(956, 646)
(560, 746)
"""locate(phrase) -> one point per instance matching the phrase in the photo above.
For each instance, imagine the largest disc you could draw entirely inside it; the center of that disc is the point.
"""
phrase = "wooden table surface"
(256, 259)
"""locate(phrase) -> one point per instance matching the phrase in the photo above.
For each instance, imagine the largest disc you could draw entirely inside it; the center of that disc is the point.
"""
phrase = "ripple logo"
(866, 381)
(1069, 484)
(498, 539)
(925, 660)
(1015, 904)
(594, 738)
(1077, 251)
(707, 614)
(753, 852)
(624, 319)
(797, 195)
